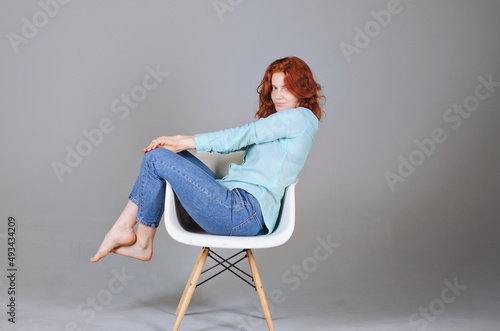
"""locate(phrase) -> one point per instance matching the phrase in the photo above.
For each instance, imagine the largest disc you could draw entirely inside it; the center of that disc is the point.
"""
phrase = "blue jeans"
(212, 206)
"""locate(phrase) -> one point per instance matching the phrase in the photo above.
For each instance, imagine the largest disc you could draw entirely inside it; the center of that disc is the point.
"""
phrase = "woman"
(246, 202)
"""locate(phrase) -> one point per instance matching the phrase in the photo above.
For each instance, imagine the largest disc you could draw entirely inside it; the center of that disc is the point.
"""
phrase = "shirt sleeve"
(290, 123)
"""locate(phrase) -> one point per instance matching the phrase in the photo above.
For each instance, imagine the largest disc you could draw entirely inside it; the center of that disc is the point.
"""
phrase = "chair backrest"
(219, 163)
(286, 219)
(180, 228)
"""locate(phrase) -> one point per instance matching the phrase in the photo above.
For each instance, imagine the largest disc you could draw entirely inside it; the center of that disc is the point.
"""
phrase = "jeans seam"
(191, 182)
(148, 224)
(133, 200)
(140, 215)
(245, 222)
(141, 197)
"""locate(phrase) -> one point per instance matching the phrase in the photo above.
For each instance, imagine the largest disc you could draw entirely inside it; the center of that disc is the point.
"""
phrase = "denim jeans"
(213, 207)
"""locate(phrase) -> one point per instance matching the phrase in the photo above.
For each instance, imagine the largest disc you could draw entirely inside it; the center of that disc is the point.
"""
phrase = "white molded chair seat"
(280, 235)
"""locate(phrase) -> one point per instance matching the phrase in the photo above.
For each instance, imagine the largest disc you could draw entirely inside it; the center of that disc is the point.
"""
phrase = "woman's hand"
(174, 143)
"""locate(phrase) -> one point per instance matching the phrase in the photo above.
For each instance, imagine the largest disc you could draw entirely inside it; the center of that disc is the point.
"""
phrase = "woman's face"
(280, 95)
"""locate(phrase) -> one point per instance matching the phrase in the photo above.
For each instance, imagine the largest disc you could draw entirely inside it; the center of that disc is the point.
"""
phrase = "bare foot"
(116, 237)
(137, 251)
(142, 249)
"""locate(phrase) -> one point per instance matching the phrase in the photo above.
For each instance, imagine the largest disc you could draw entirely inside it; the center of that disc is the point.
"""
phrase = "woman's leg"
(122, 239)
(215, 208)
(190, 179)
(142, 248)
(121, 234)
(194, 160)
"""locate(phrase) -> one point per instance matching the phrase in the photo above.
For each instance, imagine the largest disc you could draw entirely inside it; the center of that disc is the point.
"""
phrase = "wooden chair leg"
(190, 286)
(260, 290)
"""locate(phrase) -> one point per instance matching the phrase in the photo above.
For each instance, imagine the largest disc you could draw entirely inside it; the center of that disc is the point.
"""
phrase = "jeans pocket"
(240, 199)
(249, 227)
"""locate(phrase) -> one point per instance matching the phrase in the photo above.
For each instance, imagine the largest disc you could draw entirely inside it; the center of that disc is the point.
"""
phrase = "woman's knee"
(157, 153)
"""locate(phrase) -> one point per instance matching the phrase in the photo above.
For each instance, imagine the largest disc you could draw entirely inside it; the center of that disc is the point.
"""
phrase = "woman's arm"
(176, 144)
(290, 123)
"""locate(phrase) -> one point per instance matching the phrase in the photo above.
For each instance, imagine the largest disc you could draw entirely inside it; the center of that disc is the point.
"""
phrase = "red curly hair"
(299, 81)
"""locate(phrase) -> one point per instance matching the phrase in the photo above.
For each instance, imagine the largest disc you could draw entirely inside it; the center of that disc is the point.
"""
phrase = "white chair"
(178, 229)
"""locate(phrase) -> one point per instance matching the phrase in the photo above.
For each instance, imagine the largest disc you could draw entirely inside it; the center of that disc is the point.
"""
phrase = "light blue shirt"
(276, 148)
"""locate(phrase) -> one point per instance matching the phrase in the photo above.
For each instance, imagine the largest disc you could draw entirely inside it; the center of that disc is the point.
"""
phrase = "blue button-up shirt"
(276, 148)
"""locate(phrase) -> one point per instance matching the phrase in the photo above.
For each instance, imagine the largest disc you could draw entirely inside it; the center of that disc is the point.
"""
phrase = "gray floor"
(123, 294)
(386, 307)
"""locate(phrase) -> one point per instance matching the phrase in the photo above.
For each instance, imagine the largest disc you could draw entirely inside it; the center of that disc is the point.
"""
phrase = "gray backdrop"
(397, 207)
